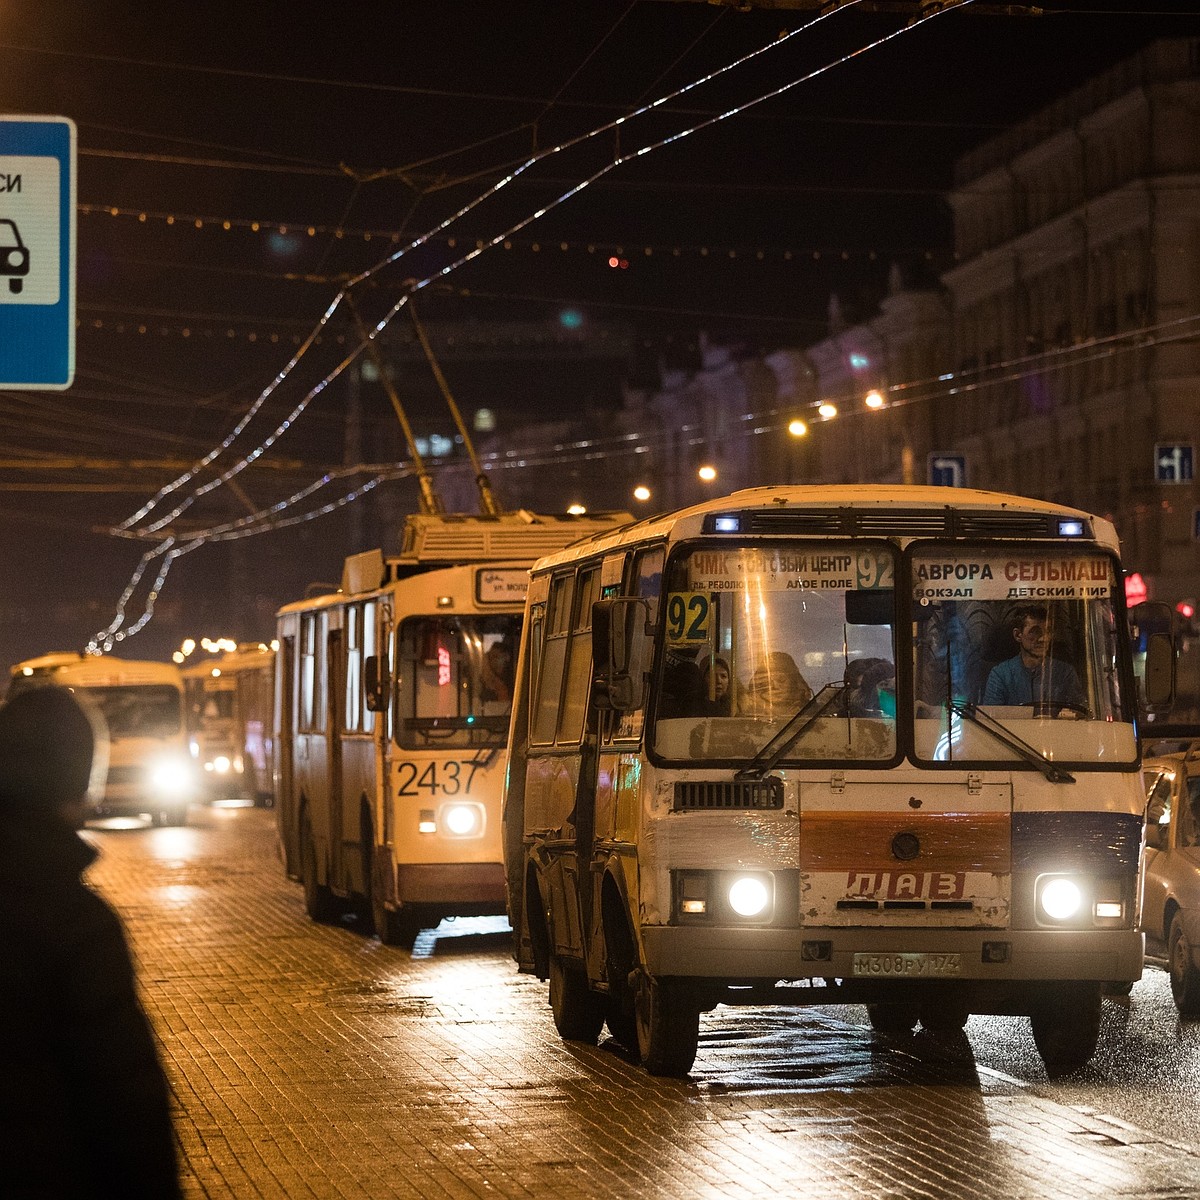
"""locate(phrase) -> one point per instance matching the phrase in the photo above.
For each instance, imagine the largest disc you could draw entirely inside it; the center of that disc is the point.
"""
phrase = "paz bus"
(760, 754)
(391, 720)
(230, 704)
(141, 703)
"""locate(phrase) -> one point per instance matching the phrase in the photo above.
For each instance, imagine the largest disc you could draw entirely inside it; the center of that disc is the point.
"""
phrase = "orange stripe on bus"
(862, 841)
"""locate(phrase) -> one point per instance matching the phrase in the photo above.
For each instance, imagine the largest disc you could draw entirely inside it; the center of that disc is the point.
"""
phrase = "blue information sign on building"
(1173, 464)
(37, 252)
(947, 470)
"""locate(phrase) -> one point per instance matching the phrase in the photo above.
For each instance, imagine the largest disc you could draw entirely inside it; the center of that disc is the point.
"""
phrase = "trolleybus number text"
(451, 778)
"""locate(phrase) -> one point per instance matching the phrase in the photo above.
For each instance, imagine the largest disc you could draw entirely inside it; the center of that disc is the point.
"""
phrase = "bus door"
(343, 825)
(285, 722)
(617, 775)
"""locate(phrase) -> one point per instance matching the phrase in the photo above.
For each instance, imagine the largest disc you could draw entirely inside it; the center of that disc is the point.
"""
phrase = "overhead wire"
(419, 284)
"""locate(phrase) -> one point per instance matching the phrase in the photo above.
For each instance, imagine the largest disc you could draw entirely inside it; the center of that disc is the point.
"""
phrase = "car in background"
(1171, 869)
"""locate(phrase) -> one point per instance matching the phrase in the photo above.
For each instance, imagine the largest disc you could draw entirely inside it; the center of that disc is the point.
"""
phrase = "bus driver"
(1032, 676)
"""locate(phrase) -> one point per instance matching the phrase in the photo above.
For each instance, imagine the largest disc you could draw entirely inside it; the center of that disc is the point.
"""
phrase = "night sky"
(258, 155)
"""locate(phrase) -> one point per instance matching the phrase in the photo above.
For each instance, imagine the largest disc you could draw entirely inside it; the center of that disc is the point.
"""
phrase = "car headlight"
(172, 776)
(221, 764)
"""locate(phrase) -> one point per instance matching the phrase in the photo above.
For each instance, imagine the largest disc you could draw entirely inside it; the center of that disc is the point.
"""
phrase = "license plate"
(907, 966)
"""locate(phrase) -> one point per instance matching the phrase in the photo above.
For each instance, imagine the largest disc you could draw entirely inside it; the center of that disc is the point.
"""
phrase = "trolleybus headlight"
(750, 896)
(1060, 898)
(462, 820)
(171, 776)
(221, 764)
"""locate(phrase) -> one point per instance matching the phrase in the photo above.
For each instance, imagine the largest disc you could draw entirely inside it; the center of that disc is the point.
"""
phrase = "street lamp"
(641, 492)
(707, 473)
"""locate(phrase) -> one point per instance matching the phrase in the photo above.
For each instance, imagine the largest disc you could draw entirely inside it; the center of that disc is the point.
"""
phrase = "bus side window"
(644, 580)
(578, 673)
(553, 659)
(1189, 818)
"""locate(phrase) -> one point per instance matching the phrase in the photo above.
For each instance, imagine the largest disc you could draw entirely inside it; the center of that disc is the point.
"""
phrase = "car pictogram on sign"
(14, 255)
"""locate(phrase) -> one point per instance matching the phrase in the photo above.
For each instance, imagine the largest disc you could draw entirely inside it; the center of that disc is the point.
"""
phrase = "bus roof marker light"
(445, 602)
(727, 524)
(1070, 527)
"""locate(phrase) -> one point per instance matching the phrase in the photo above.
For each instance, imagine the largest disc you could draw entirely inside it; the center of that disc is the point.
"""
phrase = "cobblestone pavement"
(311, 1061)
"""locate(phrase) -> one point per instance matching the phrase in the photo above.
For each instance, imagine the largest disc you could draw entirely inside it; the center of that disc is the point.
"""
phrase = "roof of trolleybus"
(858, 510)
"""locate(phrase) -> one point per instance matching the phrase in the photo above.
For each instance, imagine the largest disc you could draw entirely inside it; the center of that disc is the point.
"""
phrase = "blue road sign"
(948, 470)
(1173, 464)
(37, 252)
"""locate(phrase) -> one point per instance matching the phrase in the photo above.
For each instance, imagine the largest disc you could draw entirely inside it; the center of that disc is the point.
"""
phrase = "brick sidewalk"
(309, 1061)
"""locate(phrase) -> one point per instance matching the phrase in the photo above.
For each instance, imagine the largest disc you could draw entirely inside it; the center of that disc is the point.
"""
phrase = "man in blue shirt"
(1032, 676)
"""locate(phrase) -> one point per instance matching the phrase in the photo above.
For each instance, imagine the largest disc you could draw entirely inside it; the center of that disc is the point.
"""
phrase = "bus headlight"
(221, 764)
(749, 896)
(171, 776)
(1060, 898)
(462, 820)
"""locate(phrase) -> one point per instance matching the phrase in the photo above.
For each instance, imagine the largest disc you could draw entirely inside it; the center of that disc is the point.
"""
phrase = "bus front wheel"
(578, 1011)
(668, 1025)
(1066, 1026)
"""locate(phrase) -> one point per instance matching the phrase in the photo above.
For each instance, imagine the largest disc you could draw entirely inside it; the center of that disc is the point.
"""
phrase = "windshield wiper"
(1001, 732)
(768, 755)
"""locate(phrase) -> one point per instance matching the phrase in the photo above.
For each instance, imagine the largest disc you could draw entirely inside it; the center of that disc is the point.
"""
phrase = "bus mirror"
(619, 651)
(1160, 671)
(375, 683)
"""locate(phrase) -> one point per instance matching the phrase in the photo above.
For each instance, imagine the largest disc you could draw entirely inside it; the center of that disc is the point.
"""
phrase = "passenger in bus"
(870, 688)
(776, 690)
(84, 1103)
(496, 674)
(1032, 675)
(715, 695)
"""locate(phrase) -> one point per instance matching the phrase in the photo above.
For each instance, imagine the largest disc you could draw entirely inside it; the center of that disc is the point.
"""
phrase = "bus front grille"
(765, 793)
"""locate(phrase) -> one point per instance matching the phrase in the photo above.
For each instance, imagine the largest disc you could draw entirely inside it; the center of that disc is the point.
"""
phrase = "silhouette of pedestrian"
(83, 1100)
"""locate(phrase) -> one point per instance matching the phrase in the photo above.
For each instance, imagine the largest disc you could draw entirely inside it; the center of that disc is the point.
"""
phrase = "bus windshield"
(753, 634)
(1013, 655)
(454, 680)
(145, 710)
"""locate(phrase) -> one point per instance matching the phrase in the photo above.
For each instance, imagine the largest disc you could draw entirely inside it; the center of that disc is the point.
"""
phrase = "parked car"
(1171, 886)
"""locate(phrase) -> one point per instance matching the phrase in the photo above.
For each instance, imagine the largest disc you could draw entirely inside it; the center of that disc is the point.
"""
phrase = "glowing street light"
(797, 428)
(874, 399)
(641, 492)
(576, 510)
(828, 411)
(707, 473)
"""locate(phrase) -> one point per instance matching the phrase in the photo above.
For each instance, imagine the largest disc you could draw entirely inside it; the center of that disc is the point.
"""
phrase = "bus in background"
(393, 699)
(230, 702)
(149, 769)
(829, 745)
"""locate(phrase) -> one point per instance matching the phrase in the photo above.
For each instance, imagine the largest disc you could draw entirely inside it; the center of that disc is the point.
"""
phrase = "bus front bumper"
(881, 956)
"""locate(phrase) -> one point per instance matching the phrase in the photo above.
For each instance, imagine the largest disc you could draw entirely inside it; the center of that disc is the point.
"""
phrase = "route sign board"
(947, 470)
(37, 252)
(1173, 464)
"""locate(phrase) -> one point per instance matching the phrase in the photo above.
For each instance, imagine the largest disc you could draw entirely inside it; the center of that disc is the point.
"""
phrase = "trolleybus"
(230, 704)
(393, 699)
(141, 702)
(828, 745)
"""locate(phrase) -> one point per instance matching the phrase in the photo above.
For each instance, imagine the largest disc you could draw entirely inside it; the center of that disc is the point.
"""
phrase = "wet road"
(311, 1061)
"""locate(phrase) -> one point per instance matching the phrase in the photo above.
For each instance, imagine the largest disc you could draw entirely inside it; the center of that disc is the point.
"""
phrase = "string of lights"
(256, 406)
(745, 252)
(390, 259)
